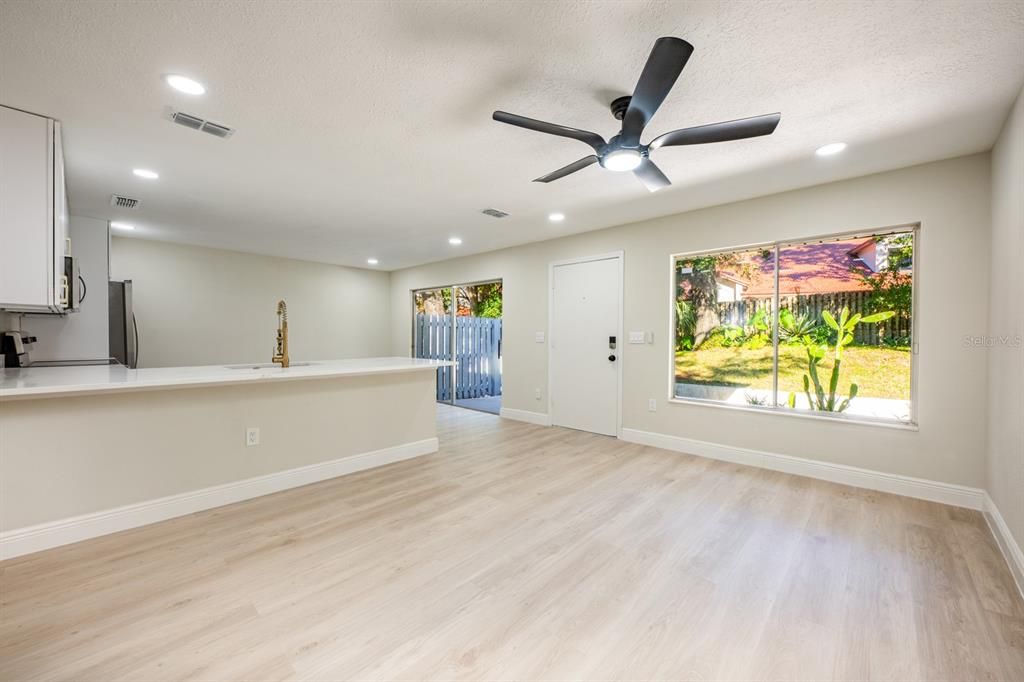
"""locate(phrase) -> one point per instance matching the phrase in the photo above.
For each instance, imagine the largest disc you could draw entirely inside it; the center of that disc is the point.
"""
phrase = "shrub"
(723, 336)
(757, 341)
(686, 324)
(793, 327)
(896, 341)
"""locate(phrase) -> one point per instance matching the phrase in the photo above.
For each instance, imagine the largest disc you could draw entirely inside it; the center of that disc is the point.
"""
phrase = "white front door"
(584, 367)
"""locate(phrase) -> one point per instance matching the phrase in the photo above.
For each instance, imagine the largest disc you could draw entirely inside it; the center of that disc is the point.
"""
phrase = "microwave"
(72, 286)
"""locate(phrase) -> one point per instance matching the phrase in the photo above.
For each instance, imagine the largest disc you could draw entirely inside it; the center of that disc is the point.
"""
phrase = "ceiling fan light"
(830, 149)
(622, 160)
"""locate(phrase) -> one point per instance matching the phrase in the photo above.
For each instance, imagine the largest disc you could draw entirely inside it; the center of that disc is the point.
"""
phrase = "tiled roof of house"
(811, 269)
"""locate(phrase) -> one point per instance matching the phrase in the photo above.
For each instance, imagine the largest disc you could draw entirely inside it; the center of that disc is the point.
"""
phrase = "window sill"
(859, 421)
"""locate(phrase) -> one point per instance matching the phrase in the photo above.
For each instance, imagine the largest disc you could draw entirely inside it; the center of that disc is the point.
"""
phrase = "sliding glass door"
(478, 346)
(462, 323)
(432, 333)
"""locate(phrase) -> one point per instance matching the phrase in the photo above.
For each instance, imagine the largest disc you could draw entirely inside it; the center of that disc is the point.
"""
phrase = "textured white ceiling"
(364, 129)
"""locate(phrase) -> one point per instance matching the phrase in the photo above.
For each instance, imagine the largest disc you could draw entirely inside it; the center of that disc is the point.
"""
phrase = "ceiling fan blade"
(593, 139)
(739, 129)
(651, 176)
(566, 170)
(668, 57)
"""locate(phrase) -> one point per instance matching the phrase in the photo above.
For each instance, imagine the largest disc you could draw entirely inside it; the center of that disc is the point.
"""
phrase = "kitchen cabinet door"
(31, 253)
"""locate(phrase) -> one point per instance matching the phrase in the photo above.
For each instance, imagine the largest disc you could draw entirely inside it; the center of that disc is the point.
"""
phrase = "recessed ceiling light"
(454, 241)
(122, 226)
(622, 160)
(372, 261)
(556, 217)
(830, 149)
(148, 174)
(185, 84)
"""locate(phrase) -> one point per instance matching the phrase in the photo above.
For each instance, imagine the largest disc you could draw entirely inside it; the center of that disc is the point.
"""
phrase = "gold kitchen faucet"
(281, 349)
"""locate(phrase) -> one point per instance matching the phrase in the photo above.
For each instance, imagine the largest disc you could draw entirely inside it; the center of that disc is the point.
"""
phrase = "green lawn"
(879, 372)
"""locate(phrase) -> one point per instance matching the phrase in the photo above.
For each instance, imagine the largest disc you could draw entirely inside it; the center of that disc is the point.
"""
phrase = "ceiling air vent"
(217, 130)
(494, 213)
(182, 119)
(119, 201)
(201, 124)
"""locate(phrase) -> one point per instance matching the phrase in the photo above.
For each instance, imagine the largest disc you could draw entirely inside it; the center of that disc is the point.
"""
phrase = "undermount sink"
(268, 365)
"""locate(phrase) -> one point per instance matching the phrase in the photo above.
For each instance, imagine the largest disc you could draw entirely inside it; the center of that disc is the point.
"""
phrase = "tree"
(697, 285)
(480, 300)
(433, 302)
(892, 287)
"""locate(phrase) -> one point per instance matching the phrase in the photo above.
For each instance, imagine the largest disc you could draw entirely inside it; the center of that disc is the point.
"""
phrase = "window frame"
(776, 246)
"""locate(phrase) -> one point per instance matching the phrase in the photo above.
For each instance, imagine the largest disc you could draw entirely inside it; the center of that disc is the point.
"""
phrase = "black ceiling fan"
(624, 152)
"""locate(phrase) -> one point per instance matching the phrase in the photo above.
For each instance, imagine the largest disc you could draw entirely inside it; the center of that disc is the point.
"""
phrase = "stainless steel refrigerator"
(124, 332)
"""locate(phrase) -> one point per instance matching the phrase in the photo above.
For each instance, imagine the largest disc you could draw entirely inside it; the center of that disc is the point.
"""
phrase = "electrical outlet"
(538, 337)
(252, 436)
(652, 405)
(536, 394)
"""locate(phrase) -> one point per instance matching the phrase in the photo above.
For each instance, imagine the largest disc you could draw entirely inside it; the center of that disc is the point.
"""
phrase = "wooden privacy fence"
(741, 313)
(477, 353)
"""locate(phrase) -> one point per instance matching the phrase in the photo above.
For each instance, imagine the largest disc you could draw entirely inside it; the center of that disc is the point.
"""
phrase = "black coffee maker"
(15, 346)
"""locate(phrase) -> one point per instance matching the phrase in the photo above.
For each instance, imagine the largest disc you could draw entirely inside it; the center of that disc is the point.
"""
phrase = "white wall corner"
(923, 489)
(66, 531)
(538, 418)
(1007, 544)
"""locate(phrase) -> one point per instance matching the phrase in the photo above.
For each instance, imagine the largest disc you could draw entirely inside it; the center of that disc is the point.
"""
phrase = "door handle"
(611, 358)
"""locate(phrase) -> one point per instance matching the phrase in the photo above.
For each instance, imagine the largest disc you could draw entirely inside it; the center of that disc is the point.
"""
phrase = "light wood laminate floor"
(521, 552)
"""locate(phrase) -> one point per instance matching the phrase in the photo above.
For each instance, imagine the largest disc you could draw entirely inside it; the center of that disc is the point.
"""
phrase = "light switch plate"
(538, 337)
(637, 337)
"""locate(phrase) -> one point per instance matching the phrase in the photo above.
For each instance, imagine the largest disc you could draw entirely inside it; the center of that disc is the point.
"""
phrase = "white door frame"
(620, 256)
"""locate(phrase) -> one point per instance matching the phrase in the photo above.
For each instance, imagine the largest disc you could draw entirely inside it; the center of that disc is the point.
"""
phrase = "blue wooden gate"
(476, 349)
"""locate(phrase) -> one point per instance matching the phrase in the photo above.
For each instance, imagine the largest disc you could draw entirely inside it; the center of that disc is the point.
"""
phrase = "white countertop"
(53, 382)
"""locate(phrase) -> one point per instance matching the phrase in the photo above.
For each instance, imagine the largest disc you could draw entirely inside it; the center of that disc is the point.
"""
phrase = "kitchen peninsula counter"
(87, 451)
(33, 382)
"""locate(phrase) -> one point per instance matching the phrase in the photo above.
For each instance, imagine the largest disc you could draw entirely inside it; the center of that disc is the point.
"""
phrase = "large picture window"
(820, 327)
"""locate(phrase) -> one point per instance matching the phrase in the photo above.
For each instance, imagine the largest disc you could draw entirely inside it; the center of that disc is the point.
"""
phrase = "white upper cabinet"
(33, 213)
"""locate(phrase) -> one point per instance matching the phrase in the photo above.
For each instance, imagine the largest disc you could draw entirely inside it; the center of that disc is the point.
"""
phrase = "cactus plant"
(825, 399)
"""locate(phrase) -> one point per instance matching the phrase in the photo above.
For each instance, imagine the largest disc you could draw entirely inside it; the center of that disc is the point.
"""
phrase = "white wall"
(9, 321)
(81, 335)
(950, 198)
(199, 306)
(1006, 330)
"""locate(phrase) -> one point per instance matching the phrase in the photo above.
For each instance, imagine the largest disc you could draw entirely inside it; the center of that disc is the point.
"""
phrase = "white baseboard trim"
(538, 418)
(923, 489)
(56, 533)
(1007, 544)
